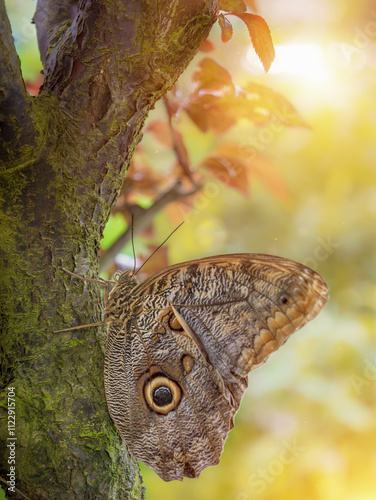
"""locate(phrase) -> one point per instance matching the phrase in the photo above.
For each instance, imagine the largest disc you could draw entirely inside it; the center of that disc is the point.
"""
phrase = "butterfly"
(181, 343)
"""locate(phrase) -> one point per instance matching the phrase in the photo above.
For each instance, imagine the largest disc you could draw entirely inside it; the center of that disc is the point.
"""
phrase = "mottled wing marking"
(144, 431)
(249, 292)
(203, 325)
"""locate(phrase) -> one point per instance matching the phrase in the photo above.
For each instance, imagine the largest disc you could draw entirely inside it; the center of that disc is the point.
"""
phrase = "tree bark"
(64, 155)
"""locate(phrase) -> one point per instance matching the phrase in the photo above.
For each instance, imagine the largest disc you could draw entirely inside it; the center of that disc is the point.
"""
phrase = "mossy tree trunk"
(64, 155)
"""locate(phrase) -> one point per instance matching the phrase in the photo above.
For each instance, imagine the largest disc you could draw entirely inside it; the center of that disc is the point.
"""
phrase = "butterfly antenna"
(156, 250)
(134, 253)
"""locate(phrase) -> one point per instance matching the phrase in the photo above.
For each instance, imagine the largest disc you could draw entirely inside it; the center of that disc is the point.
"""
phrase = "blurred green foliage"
(306, 427)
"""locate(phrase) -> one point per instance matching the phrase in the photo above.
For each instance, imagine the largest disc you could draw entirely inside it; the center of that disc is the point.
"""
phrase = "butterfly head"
(126, 279)
(120, 297)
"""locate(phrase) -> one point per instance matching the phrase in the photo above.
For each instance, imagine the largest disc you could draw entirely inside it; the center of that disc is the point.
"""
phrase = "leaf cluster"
(215, 104)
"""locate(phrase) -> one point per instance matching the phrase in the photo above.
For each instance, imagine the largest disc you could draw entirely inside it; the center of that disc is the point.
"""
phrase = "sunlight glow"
(305, 60)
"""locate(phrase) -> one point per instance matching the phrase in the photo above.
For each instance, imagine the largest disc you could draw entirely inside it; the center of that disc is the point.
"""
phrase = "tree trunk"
(64, 155)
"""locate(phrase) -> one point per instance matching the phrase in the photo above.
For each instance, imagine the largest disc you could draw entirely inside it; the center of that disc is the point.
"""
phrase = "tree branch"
(115, 60)
(178, 144)
(49, 16)
(16, 127)
(103, 73)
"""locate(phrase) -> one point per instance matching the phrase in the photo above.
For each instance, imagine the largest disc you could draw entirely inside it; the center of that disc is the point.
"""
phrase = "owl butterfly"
(181, 343)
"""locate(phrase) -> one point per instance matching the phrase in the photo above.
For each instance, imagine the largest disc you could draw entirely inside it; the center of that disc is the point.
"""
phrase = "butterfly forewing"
(240, 307)
(181, 343)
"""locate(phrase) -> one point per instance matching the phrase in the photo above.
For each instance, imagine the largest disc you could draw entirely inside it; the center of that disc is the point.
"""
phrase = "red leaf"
(261, 38)
(257, 103)
(274, 106)
(161, 131)
(268, 175)
(246, 162)
(34, 86)
(229, 169)
(178, 210)
(141, 182)
(212, 76)
(207, 46)
(252, 5)
(226, 28)
(235, 6)
(210, 112)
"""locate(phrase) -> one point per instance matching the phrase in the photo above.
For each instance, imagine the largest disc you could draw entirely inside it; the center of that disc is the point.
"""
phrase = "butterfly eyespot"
(168, 318)
(162, 394)
(187, 362)
(174, 324)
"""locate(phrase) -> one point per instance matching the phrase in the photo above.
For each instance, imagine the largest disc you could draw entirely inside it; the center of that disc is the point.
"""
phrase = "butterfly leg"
(80, 327)
(100, 281)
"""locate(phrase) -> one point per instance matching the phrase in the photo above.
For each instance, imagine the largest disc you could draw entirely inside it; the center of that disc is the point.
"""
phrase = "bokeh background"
(307, 426)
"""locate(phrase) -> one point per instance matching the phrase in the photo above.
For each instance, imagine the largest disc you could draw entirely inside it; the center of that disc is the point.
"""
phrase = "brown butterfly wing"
(190, 437)
(196, 329)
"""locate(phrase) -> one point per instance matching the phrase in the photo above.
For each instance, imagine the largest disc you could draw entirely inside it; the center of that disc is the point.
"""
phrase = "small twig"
(178, 145)
(23, 495)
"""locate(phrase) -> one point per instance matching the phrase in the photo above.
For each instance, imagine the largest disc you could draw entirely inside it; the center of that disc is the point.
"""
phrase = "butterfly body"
(181, 344)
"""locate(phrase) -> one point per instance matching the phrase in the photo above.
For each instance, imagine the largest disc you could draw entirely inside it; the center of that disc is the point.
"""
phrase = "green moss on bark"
(68, 155)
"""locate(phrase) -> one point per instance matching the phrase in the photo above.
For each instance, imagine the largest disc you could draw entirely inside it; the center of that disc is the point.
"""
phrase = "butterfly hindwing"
(182, 440)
